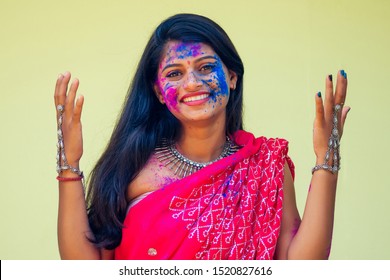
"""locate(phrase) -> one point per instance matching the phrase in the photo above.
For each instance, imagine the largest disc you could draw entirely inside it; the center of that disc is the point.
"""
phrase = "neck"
(202, 143)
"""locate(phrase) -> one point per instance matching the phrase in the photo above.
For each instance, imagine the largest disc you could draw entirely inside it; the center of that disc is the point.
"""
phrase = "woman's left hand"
(323, 123)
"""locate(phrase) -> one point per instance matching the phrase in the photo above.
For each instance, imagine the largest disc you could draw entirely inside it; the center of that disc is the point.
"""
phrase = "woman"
(179, 178)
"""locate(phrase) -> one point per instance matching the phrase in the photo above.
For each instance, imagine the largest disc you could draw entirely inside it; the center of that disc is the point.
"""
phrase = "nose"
(192, 82)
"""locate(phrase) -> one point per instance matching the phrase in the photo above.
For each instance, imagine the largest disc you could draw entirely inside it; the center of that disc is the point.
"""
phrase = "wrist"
(74, 164)
(68, 174)
(321, 161)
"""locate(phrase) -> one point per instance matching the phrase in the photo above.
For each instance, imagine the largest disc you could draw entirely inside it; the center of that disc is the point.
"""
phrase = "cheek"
(222, 83)
(217, 82)
(170, 97)
(168, 92)
(218, 86)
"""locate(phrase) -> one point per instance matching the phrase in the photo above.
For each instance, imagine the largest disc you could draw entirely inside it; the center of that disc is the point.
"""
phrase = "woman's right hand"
(71, 123)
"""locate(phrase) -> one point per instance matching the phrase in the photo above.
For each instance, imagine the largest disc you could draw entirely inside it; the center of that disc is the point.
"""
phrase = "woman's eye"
(173, 74)
(207, 68)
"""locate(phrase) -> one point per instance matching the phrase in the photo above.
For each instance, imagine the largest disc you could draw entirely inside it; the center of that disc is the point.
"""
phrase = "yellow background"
(288, 48)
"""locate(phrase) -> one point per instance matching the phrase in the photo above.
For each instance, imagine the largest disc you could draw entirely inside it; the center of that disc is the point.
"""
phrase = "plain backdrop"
(288, 48)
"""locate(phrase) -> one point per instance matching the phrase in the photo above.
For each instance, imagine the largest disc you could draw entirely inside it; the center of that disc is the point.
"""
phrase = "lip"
(196, 102)
(193, 94)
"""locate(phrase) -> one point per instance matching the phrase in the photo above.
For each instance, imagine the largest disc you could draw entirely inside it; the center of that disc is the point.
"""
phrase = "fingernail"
(319, 94)
(330, 78)
(349, 109)
(342, 72)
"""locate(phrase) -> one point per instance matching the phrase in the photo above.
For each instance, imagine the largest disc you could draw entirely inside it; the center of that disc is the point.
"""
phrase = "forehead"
(175, 50)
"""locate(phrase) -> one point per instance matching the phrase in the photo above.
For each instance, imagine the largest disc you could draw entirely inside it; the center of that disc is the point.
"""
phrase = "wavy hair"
(144, 121)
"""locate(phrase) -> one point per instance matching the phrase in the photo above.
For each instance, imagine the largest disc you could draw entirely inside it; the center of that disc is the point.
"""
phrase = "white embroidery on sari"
(245, 227)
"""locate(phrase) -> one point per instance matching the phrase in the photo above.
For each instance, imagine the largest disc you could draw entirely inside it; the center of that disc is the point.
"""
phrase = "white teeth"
(195, 98)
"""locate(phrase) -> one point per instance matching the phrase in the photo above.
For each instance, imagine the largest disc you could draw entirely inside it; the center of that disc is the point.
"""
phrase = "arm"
(73, 227)
(311, 239)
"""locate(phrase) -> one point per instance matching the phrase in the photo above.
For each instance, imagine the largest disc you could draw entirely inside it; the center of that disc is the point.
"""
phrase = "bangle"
(70, 179)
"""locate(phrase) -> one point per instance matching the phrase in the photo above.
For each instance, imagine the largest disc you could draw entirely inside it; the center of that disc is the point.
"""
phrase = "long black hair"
(144, 121)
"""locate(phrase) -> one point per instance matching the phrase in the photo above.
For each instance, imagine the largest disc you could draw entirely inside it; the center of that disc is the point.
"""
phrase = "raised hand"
(324, 119)
(71, 118)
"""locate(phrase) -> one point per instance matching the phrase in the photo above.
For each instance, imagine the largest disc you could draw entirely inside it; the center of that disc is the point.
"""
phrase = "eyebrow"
(197, 60)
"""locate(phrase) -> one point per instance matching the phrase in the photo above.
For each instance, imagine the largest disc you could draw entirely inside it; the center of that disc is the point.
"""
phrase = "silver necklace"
(183, 166)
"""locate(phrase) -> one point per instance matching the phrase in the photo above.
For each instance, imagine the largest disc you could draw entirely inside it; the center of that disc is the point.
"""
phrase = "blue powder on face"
(185, 50)
(167, 86)
(220, 77)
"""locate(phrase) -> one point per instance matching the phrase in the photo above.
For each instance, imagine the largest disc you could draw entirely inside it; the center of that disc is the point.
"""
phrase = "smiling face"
(193, 82)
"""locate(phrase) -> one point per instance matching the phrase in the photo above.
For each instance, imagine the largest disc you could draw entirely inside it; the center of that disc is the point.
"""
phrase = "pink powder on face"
(168, 92)
(195, 50)
(184, 50)
(170, 98)
(176, 53)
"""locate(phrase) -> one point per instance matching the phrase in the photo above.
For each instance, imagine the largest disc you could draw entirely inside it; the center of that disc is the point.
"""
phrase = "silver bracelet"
(333, 145)
(61, 148)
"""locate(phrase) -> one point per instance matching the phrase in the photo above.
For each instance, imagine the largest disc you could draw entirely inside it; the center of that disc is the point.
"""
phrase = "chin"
(205, 118)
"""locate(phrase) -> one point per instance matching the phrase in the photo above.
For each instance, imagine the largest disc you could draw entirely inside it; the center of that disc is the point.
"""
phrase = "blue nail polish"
(330, 78)
(319, 94)
(342, 72)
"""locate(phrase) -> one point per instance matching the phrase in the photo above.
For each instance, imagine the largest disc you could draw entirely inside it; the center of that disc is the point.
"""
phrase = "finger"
(341, 87)
(63, 88)
(56, 92)
(71, 97)
(78, 109)
(58, 82)
(344, 115)
(319, 120)
(329, 99)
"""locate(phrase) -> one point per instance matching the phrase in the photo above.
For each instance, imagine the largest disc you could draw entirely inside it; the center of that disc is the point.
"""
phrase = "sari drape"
(231, 209)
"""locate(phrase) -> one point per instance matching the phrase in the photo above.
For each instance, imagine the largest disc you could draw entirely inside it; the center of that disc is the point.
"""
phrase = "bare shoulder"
(152, 177)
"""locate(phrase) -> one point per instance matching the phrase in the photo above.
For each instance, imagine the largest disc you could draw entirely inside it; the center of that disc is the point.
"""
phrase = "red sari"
(231, 209)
